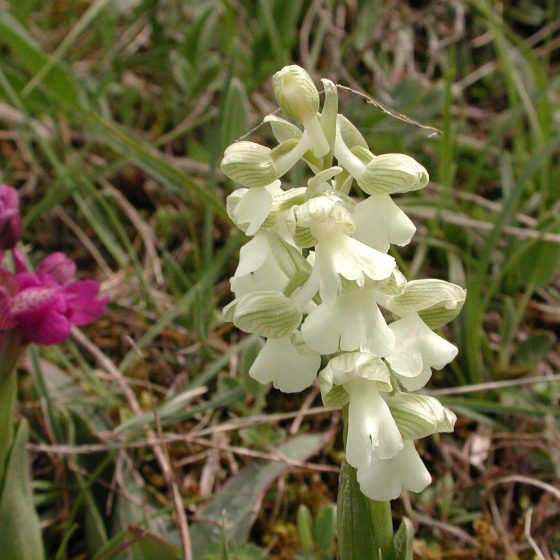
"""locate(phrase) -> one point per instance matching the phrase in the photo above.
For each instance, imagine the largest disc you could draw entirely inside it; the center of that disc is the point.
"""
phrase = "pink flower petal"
(27, 280)
(34, 299)
(42, 306)
(84, 306)
(59, 266)
(48, 325)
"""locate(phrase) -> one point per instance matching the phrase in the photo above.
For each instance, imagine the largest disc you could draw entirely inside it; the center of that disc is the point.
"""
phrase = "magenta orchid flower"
(43, 305)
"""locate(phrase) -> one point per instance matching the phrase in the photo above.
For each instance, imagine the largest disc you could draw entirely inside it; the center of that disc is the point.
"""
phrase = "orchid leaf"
(404, 539)
(355, 537)
(20, 533)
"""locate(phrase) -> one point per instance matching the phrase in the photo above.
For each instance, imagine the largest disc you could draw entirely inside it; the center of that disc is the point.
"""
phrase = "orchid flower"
(287, 362)
(43, 305)
(316, 280)
(384, 479)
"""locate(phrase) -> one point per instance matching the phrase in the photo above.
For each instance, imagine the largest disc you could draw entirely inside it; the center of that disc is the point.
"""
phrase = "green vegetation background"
(113, 119)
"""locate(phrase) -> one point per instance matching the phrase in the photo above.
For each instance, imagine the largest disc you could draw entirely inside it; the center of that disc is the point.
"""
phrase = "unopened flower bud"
(254, 165)
(384, 174)
(10, 219)
(436, 301)
(419, 416)
(250, 164)
(298, 98)
(59, 266)
(393, 173)
(269, 314)
(296, 93)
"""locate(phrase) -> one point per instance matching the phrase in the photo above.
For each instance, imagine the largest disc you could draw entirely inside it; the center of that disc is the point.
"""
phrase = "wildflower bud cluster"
(316, 280)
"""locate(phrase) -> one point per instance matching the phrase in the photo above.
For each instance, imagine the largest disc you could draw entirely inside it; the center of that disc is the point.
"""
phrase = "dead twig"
(434, 131)
(527, 480)
(528, 536)
(492, 385)
(167, 438)
(459, 533)
(267, 456)
(457, 219)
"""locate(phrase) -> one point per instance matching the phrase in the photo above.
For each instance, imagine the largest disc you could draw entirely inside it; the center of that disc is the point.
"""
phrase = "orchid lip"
(32, 299)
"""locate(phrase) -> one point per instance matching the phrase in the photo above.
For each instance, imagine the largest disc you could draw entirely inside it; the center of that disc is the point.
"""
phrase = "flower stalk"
(8, 394)
(382, 527)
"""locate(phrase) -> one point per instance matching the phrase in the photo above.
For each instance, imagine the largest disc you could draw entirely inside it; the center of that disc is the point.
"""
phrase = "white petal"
(253, 209)
(252, 255)
(352, 322)
(418, 381)
(417, 350)
(257, 270)
(379, 222)
(384, 480)
(330, 281)
(434, 351)
(390, 439)
(354, 255)
(275, 189)
(322, 327)
(339, 254)
(380, 339)
(371, 428)
(280, 362)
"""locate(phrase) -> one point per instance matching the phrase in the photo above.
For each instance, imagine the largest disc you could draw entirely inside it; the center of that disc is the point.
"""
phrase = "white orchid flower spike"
(318, 280)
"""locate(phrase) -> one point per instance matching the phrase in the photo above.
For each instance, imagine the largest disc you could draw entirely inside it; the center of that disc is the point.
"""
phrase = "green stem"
(10, 350)
(20, 531)
(8, 388)
(382, 522)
